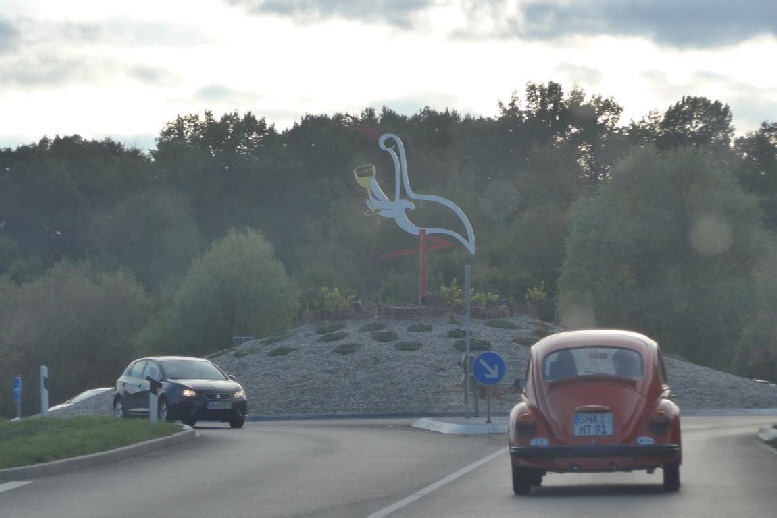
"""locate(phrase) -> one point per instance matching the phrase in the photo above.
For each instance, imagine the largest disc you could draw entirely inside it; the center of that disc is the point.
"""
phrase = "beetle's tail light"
(526, 425)
(659, 422)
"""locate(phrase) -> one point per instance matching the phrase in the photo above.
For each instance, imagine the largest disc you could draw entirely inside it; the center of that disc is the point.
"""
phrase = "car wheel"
(672, 476)
(523, 478)
(164, 410)
(237, 422)
(118, 408)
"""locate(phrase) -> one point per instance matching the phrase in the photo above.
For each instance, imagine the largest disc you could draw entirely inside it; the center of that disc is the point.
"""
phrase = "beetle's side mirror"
(519, 383)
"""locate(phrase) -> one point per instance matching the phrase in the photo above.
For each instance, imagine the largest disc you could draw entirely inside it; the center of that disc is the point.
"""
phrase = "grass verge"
(34, 440)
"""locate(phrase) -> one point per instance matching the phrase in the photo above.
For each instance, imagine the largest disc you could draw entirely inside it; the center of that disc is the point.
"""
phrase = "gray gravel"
(379, 379)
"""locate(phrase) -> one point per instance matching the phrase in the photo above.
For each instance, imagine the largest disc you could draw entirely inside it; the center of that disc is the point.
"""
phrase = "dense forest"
(231, 228)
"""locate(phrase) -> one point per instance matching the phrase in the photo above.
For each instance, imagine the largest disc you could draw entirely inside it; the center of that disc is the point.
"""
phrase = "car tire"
(237, 422)
(672, 476)
(522, 480)
(119, 409)
(164, 410)
(189, 422)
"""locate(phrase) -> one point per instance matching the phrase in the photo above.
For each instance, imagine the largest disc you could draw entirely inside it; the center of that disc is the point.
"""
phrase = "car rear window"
(593, 361)
(191, 369)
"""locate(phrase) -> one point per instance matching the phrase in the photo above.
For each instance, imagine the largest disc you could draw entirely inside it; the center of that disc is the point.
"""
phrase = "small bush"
(457, 333)
(475, 344)
(372, 326)
(502, 324)
(385, 336)
(524, 341)
(333, 337)
(348, 348)
(419, 328)
(329, 328)
(281, 351)
(245, 352)
(408, 346)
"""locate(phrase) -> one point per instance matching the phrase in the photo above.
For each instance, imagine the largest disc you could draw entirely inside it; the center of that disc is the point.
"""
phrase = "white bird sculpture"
(382, 205)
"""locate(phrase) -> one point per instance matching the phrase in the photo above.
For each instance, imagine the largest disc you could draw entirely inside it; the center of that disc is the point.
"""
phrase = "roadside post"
(17, 395)
(153, 396)
(468, 383)
(467, 329)
(44, 391)
(488, 368)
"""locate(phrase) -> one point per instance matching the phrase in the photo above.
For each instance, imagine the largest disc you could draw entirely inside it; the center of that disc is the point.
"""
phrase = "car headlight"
(239, 394)
(189, 393)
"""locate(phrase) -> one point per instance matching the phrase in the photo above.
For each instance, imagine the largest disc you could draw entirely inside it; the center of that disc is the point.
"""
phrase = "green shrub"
(329, 328)
(408, 346)
(281, 351)
(525, 341)
(502, 324)
(475, 344)
(418, 328)
(348, 348)
(372, 326)
(385, 336)
(451, 295)
(457, 333)
(333, 337)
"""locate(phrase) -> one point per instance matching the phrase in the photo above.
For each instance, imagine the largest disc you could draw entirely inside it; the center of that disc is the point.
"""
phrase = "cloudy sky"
(123, 69)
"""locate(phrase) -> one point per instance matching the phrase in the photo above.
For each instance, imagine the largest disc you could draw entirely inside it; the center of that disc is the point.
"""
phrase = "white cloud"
(105, 68)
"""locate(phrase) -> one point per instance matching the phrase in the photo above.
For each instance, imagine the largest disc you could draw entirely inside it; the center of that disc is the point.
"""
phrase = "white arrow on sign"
(491, 372)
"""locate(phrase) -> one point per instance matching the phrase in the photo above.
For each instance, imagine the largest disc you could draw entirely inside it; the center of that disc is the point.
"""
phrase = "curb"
(95, 459)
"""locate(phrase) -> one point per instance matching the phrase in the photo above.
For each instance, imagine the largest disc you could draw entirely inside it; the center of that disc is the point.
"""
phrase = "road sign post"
(488, 368)
(44, 391)
(17, 395)
(153, 395)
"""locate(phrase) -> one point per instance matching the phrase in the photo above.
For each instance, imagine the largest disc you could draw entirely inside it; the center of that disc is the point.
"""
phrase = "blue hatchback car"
(190, 390)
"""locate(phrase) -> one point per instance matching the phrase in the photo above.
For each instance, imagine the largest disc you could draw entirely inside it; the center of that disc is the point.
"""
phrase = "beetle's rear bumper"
(569, 452)
(565, 459)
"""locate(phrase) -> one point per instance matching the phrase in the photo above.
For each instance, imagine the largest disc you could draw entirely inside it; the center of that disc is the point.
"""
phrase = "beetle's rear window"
(593, 361)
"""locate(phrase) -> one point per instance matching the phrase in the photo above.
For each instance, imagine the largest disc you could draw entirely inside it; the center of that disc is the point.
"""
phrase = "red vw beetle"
(594, 401)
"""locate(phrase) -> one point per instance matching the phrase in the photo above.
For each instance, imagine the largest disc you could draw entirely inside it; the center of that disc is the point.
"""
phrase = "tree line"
(229, 227)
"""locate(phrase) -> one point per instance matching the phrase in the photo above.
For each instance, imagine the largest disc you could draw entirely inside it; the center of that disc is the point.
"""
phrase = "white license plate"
(593, 424)
(219, 405)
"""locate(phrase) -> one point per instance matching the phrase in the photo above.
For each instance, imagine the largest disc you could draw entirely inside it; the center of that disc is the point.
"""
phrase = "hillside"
(300, 374)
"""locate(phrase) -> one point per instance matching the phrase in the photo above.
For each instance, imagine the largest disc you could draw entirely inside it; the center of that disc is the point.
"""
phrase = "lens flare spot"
(711, 235)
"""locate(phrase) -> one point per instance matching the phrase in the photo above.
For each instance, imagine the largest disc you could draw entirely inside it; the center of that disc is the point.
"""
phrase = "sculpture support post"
(422, 260)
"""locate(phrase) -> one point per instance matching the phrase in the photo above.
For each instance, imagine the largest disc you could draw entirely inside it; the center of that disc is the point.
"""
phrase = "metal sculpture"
(396, 208)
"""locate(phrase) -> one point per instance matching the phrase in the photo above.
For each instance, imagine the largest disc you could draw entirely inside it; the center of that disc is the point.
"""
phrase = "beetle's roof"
(591, 337)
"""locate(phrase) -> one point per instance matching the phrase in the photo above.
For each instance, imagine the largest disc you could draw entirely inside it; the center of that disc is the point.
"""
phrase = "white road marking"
(428, 489)
(13, 485)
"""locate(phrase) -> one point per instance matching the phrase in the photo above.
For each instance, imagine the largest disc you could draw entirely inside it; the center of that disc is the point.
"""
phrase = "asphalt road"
(376, 468)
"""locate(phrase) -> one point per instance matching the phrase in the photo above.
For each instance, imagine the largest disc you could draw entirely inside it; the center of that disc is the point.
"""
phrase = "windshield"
(593, 360)
(191, 369)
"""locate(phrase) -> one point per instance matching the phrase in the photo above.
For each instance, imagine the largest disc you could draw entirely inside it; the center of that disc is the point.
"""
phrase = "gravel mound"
(301, 372)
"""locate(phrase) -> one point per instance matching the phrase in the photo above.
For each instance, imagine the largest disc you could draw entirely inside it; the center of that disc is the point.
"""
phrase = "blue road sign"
(17, 389)
(488, 368)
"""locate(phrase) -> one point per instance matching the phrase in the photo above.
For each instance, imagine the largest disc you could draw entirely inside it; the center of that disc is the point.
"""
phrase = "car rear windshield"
(191, 369)
(593, 361)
